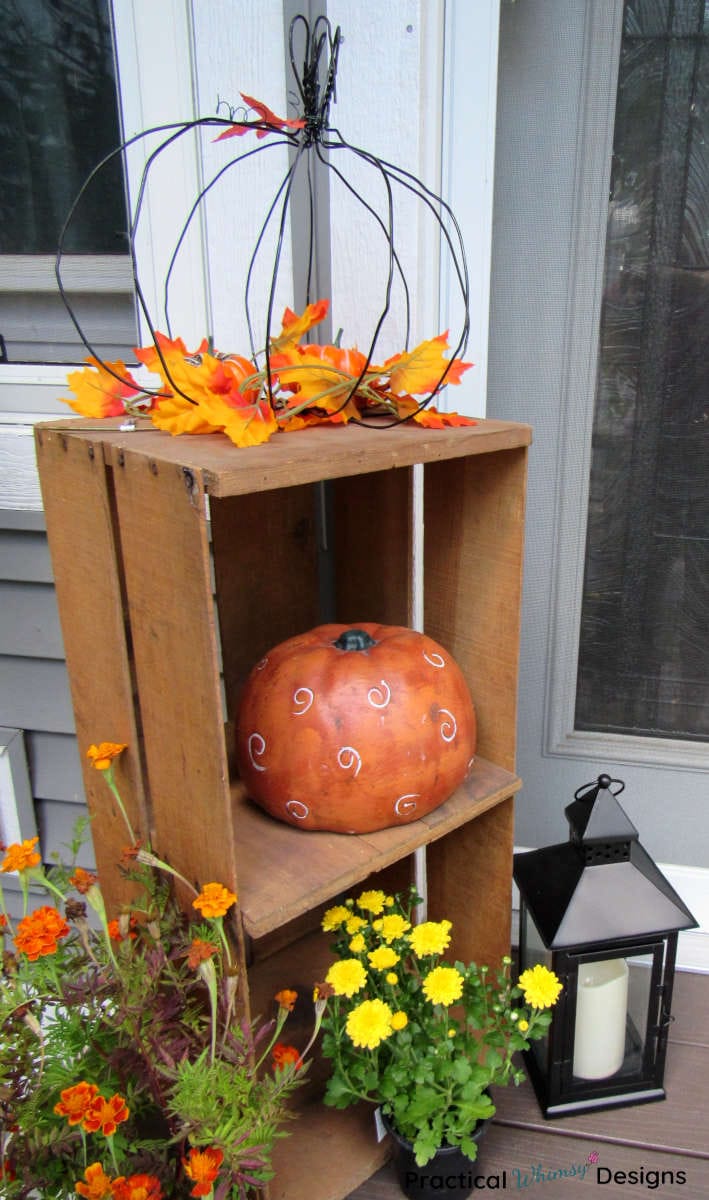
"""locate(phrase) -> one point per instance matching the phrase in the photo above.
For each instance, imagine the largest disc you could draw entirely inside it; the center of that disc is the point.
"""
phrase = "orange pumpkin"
(353, 729)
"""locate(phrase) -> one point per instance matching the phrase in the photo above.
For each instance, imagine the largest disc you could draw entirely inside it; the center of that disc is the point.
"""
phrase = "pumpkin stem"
(354, 639)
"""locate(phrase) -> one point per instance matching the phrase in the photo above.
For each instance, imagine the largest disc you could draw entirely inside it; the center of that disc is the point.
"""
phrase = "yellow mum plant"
(423, 1038)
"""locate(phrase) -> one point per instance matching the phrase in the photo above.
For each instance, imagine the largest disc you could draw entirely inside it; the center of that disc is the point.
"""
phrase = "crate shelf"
(308, 869)
(179, 562)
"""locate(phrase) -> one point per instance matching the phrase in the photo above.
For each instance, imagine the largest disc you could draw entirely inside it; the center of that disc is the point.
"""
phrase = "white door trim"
(472, 34)
(602, 39)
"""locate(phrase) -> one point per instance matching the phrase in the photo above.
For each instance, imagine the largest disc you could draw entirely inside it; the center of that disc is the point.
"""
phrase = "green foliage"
(431, 1061)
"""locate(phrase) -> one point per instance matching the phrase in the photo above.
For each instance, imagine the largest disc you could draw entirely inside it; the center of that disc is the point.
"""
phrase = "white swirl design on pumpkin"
(349, 759)
(406, 803)
(435, 660)
(380, 695)
(256, 747)
(297, 809)
(449, 728)
(303, 699)
(470, 764)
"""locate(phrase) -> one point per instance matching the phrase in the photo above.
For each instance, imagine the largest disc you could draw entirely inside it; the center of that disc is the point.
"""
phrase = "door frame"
(602, 41)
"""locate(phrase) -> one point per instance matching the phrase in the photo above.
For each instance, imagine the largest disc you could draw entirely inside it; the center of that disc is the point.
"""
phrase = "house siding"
(34, 690)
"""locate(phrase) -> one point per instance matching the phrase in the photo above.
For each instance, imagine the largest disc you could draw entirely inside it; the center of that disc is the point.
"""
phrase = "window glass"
(59, 119)
(644, 653)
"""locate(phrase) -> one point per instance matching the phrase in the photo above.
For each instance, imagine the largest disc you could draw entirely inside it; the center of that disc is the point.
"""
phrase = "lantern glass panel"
(611, 1018)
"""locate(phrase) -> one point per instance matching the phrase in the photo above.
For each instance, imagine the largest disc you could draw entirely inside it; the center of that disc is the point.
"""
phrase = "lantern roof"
(601, 885)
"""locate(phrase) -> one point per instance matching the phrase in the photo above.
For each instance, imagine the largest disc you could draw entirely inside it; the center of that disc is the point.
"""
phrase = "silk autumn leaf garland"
(301, 385)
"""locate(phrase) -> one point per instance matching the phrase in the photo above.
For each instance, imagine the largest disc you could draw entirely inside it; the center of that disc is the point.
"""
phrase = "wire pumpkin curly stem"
(313, 145)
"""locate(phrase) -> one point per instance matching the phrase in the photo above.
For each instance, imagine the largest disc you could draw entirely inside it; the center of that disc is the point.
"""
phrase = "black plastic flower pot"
(449, 1174)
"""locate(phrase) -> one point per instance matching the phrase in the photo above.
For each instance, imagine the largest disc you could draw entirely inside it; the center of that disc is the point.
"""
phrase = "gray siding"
(37, 327)
(34, 687)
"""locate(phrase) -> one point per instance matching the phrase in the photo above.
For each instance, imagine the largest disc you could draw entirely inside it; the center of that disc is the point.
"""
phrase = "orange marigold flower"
(130, 853)
(39, 932)
(137, 1187)
(202, 1167)
(76, 1101)
(282, 1056)
(214, 900)
(102, 756)
(21, 856)
(116, 933)
(82, 880)
(98, 1184)
(106, 1115)
(286, 998)
(200, 951)
(3, 921)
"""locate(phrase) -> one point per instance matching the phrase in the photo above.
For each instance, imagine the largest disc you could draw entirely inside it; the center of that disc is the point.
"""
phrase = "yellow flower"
(399, 1020)
(451, 1033)
(358, 944)
(372, 901)
(102, 756)
(523, 1025)
(383, 957)
(391, 978)
(214, 900)
(388, 901)
(346, 976)
(334, 917)
(540, 986)
(370, 1023)
(355, 924)
(443, 985)
(392, 926)
(431, 937)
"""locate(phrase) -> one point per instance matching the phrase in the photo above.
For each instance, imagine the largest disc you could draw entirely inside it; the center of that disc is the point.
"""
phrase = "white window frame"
(595, 144)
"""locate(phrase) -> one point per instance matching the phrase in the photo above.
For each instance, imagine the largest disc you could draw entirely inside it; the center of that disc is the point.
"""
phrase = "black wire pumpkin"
(315, 145)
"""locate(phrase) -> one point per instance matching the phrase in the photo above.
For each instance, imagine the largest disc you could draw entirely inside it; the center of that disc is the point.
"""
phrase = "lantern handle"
(603, 781)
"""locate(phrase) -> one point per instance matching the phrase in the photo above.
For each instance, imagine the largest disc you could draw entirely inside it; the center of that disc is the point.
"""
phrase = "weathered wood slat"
(372, 529)
(284, 872)
(322, 452)
(473, 569)
(263, 546)
(79, 512)
(174, 642)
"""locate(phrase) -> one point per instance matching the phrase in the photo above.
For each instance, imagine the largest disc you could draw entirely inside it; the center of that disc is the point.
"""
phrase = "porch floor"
(670, 1137)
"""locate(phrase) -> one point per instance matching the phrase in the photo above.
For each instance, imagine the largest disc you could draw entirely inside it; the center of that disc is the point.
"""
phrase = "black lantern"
(598, 912)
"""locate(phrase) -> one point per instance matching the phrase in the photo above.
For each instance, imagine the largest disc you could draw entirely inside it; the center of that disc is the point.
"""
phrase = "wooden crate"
(178, 563)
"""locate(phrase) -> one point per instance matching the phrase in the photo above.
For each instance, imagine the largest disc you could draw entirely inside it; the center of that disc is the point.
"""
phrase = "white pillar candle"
(601, 1007)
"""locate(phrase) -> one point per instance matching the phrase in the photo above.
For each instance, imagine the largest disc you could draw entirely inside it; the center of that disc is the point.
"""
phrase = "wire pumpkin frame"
(317, 145)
